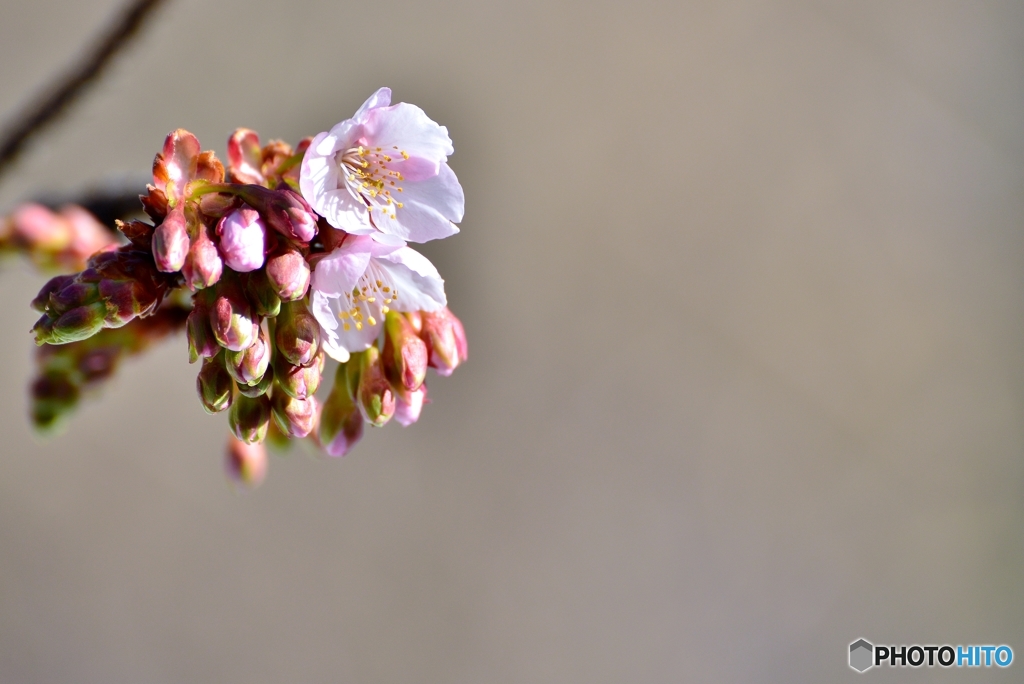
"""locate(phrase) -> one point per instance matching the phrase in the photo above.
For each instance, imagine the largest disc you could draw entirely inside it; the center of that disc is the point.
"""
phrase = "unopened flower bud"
(297, 337)
(445, 338)
(409, 405)
(405, 354)
(261, 387)
(122, 300)
(341, 423)
(245, 157)
(249, 418)
(203, 265)
(73, 295)
(284, 210)
(201, 342)
(246, 463)
(248, 366)
(170, 241)
(53, 285)
(295, 417)
(242, 240)
(176, 164)
(299, 381)
(77, 324)
(288, 274)
(214, 385)
(374, 396)
(262, 295)
(231, 317)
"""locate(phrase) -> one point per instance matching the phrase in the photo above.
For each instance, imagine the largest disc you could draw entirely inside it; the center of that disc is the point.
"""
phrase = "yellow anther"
(371, 299)
(343, 315)
(371, 320)
(347, 326)
(405, 155)
(384, 309)
(385, 288)
(359, 326)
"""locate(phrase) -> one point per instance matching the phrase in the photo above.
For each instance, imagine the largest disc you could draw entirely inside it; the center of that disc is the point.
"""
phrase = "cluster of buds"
(288, 256)
(67, 371)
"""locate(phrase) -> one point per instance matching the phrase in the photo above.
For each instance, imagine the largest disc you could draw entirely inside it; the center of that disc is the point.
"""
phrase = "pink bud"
(170, 242)
(203, 266)
(341, 423)
(201, 342)
(295, 417)
(245, 157)
(36, 225)
(405, 354)
(249, 418)
(409, 405)
(284, 210)
(231, 317)
(214, 386)
(248, 366)
(176, 165)
(374, 396)
(242, 240)
(297, 336)
(299, 381)
(246, 463)
(445, 339)
(288, 274)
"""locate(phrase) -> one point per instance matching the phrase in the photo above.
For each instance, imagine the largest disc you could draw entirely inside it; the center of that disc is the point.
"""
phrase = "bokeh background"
(743, 283)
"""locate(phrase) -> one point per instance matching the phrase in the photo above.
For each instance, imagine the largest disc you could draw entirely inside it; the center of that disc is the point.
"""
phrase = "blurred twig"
(57, 98)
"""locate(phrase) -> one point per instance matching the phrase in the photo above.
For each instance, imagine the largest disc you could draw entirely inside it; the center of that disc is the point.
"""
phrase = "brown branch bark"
(72, 84)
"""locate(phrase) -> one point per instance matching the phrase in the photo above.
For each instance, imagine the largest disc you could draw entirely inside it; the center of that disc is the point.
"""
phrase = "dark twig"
(73, 83)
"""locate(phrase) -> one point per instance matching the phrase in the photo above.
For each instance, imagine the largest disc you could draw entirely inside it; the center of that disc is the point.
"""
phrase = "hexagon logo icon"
(861, 655)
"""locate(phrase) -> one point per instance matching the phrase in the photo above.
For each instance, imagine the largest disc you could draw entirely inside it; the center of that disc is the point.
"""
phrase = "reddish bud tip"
(231, 317)
(297, 336)
(288, 273)
(374, 396)
(249, 418)
(214, 385)
(203, 266)
(405, 354)
(295, 417)
(170, 242)
(248, 366)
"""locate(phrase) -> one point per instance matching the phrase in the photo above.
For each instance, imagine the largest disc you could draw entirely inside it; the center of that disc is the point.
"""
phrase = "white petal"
(408, 128)
(419, 285)
(381, 98)
(339, 272)
(331, 348)
(429, 209)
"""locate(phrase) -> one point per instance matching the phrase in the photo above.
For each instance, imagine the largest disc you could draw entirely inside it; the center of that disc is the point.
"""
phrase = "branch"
(65, 91)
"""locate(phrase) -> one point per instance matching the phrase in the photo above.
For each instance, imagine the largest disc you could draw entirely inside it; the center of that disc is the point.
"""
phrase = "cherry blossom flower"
(384, 173)
(355, 286)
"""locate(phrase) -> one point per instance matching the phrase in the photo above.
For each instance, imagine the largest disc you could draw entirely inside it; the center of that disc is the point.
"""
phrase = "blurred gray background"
(743, 283)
